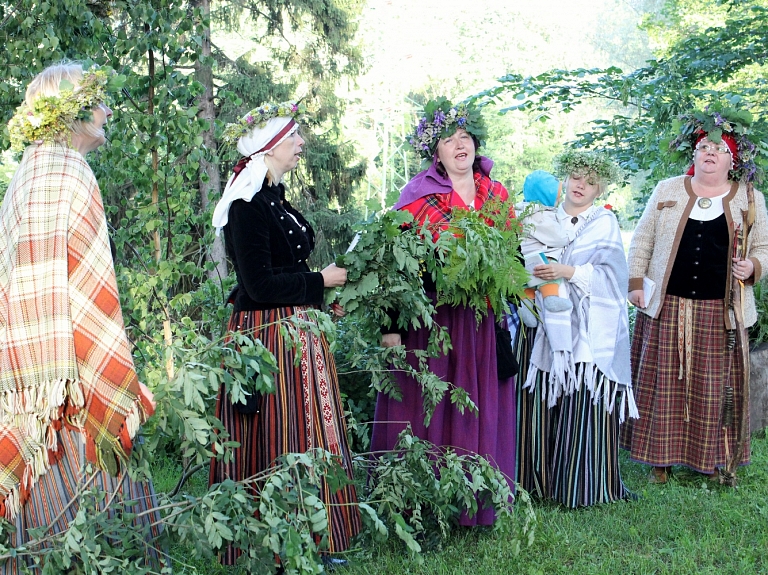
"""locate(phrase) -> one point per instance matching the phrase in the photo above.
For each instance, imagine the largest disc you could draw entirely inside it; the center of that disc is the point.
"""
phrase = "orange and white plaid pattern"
(64, 355)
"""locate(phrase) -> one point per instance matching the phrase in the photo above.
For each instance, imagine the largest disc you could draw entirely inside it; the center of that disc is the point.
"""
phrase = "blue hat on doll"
(542, 187)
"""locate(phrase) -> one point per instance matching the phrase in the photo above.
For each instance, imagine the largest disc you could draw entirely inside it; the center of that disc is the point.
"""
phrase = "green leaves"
(419, 490)
(474, 263)
(385, 285)
(477, 260)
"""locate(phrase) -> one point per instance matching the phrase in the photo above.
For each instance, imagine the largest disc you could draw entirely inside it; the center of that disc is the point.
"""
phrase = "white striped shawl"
(598, 321)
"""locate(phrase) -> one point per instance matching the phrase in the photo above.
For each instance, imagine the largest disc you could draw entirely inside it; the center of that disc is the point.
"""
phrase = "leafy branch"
(419, 490)
(472, 262)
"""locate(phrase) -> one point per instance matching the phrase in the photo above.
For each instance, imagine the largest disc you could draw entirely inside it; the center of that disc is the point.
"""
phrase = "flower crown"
(714, 121)
(258, 118)
(441, 119)
(590, 164)
(50, 118)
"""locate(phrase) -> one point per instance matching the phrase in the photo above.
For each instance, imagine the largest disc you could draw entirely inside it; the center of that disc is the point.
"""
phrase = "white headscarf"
(247, 183)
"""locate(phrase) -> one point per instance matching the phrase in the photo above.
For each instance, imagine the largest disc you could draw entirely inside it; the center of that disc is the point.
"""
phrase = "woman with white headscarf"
(269, 242)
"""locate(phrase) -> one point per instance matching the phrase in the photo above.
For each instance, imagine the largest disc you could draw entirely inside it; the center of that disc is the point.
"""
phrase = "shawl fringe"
(107, 455)
(42, 403)
(601, 389)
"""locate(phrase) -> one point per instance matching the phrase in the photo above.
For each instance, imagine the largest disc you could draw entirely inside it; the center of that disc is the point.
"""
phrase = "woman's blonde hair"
(48, 83)
(602, 185)
(271, 173)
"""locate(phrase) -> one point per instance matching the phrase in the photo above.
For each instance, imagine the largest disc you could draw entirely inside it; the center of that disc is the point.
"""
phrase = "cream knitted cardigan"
(657, 238)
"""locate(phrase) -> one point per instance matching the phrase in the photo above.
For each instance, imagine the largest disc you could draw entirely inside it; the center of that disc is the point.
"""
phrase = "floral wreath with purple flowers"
(715, 120)
(440, 120)
(258, 118)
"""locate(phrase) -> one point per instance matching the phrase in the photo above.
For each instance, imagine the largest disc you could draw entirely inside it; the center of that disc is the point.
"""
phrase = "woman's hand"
(553, 271)
(637, 298)
(391, 340)
(148, 395)
(334, 276)
(743, 269)
(337, 310)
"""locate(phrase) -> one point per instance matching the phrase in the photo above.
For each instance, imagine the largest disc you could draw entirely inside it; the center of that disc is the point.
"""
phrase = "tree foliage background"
(193, 65)
(704, 56)
(161, 172)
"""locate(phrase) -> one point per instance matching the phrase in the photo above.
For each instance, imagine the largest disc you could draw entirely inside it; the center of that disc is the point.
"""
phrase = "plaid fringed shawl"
(64, 354)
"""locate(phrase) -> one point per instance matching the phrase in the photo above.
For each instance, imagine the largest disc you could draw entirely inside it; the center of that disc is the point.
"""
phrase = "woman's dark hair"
(475, 165)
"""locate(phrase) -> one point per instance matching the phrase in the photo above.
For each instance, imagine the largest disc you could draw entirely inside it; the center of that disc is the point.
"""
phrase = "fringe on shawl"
(42, 403)
(561, 379)
(108, 454)
(565, 378)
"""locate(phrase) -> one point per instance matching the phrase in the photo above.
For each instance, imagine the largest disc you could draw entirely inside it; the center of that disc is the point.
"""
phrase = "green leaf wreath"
(715, 120)
(51, 118)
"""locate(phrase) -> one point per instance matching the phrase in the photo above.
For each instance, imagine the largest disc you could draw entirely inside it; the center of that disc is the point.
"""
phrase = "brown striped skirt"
(304, 413)
(54, 503)
(664, 436)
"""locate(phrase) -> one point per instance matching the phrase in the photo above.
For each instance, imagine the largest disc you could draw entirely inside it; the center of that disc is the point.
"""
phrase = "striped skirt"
(585, 450)
(304, 413)
(664, 436)
(534, 437)
(53, 504)
(568, 453)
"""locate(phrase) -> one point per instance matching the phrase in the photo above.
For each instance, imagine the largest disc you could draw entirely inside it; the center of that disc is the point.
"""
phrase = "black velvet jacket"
(269, 250)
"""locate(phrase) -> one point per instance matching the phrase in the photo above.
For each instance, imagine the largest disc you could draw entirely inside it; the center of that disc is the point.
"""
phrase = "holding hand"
(637, 298)
(742, 269)
(337, 310)
(553, 271)
(391, 340)
(334, 276)
(148, 395)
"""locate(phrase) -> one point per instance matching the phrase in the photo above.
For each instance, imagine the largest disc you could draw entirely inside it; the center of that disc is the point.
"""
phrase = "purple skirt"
(471, 365)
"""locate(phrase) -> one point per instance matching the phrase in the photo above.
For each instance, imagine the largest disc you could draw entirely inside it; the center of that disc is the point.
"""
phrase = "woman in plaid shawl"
(686, 374)
(457, 178)
(69, 392)
(578, 376)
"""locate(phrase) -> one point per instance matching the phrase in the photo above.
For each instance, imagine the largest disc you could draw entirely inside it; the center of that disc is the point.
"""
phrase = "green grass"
(688, 526)
(166, 473)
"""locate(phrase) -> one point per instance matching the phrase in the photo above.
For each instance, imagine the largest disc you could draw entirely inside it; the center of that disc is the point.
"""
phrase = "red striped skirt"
(304, 413)
(662, 436)
(54, 502)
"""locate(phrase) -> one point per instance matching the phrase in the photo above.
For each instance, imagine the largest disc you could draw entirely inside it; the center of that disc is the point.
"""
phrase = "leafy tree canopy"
(722, 61)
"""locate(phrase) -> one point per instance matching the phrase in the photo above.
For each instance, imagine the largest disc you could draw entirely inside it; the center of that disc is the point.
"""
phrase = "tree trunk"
(208, 165)
(167, 333)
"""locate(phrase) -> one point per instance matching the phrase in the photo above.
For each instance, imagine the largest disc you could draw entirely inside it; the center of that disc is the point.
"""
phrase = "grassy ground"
(688, 526)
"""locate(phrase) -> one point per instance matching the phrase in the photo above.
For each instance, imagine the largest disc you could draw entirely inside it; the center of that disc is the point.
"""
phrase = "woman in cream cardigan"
(681, 361)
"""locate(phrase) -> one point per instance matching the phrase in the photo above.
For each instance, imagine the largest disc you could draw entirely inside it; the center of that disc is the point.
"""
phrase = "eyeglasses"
(719, 148)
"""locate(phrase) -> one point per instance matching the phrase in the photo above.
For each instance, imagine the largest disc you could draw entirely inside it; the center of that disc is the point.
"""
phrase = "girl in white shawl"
(579, 365)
